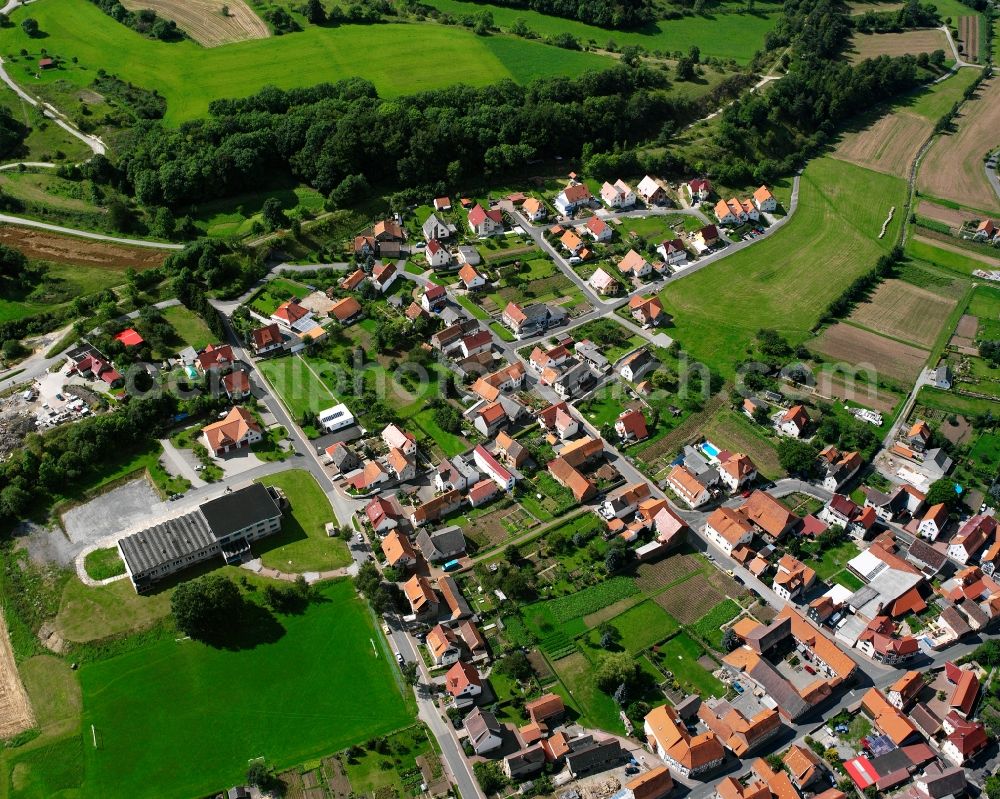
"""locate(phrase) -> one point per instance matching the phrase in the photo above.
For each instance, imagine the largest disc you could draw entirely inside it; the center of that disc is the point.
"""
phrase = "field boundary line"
(898, 340)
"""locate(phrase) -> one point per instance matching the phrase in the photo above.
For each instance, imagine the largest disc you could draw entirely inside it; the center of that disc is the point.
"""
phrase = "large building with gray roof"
(224, 526)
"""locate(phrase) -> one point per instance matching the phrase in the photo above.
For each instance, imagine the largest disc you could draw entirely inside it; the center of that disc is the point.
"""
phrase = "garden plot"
(903, 311)
(852, 345)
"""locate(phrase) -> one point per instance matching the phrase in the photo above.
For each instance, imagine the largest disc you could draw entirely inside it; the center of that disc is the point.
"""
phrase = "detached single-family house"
(634, 265)
(290, 314)
(534, 209)
(603, 283)
(398, 551)
(214, 358)
(618, 194)
(700, 188)
(934, 522)
(383, 276)
(436, 254)
(559, 420)
(485, 223)
(484, 731)
(403, 467)
(350, 283)
(396, 438)
(346, 311)
(434, 298)
(647, 310)
(237, 430)
(530, 320)
(598, 229)
(342, 458)
(631, 426)
(572, 197)
(572, 243)
(443, 645)
(727, 528)
(737, 471)
(423, 601)
(442, 545)
(764, 200)
(475, 343)
(650, 191)
(793, 578)
(794, 421)
(673, 252)
(236, 385)
(267, 340)
(436, 228)
(382, 515)
(490, 419)
(942, 377)
(972, 537)
(634, 366)
(471, 278)
(686, 485)
(493, 468)
(463, 682)
(985, 230)
(707, 237)
(442, 203)
(729, 212)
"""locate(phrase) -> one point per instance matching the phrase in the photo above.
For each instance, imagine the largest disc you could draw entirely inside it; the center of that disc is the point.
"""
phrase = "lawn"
(302, 545)
(298, 387)
(613, 338)
(426, 56)
(730, 430)
(950, 402)
(234, 216)
(102, 564)
(643, 626)
(599, 710)
(603, 406)
(89, 613)
(987, 448)
(776, 282)
(953, 261)
(680, 655)
(317, 685)
(190, 328)
(60, 285)
(848, 579)
(722, 35)
(833, 560)
(276, 292)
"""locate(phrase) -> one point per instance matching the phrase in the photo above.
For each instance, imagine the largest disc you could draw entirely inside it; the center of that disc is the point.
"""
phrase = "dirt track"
(45, 246)
(15, 708)
(202, 20)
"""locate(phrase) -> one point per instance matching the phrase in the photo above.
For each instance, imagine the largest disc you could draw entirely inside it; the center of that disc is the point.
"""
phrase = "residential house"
(839, 467)
(985, 230)
(588, 351)
(689, 755)
(236, 430)
(510, 452)
(436, 228)
(267, 340)
(441, 545)
(373, 474)
(399, 552)
(475, 343)
(484, 731)
(442, 203)
(686, 485)
(541, 360)
(598, 229)
(634, 265)
(793, 578)
(839, 511)
(673, 251)
(482, 492)
(382, 514)
(236, 385)
(618, 195)
(650, 191)
(403, 467)
(214, 358)
(346, 311)
(463, 682)
(603, 283)
(349, 283)
(706, 237)
(423, 601)
(700, 188)
(942, 377)
(654, 784)
(531, 319)
(631, 426)
(559, 419)
(648, 311)
(624, 501)
(490, 418)
(939, 782)
(449, 337)
(905, 690)
(727, 528)
(737, 732)
(383, 276)
(888, 720)
(972, 537)
(534, 209)
(764, 200)
(525, 763)
(964, 739)
(634, 366)
(794, 421)
(456, 474)
(572, 381)
(491, 466)
(443, 645)
(966, 688)
(572, 197)
(737, 471)
(396, 438)
(468, 255)
(934, 522)
(769, 516)
(292, 315)
(570, 477)
(434, 298)
(388, 230)
(436, 254)
(485, 223)
(471, 279)
(436, 508)
(342, 458)
(805, 768)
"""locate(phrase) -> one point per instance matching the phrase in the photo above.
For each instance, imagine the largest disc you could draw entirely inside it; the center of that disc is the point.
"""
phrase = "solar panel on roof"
(880, 745)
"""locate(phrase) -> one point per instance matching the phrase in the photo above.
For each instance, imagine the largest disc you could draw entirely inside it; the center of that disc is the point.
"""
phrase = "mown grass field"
(302, 545)
(412, 58)
(60, 284)
(190, 328)
(724, 35)
(186, 717)
(786, 281)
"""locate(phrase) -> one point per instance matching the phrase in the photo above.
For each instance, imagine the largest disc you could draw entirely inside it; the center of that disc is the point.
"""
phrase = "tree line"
(145, 21)
(621, 14)
(332, 133)
(911, 15)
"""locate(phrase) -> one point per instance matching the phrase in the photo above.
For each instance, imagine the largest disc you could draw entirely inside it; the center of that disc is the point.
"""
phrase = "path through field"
(15, 708)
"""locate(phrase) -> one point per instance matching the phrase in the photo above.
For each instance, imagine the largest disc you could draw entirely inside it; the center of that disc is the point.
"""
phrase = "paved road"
(34, 164)
(11, 219)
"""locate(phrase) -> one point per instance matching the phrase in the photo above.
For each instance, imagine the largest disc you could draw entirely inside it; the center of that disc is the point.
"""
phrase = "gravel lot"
(117, 510)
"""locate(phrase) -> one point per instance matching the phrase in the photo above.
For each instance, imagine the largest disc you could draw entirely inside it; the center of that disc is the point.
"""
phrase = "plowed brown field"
(202, 20)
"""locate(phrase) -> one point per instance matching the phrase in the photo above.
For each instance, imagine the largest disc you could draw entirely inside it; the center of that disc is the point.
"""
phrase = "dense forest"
(12, 133)
(328, 133)
(621, 14)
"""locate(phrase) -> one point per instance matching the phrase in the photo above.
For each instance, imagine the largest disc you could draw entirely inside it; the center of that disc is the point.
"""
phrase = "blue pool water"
(710, 449)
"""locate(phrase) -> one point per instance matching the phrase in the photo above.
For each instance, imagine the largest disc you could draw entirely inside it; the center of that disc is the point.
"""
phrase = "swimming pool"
(191, 372)
(709, 449)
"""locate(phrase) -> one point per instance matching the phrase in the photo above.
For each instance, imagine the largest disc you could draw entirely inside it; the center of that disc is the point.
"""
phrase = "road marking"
(373, 647)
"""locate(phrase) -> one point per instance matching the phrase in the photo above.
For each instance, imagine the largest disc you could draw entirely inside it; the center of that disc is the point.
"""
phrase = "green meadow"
(398, 58)
(723, 33)
(787, 280)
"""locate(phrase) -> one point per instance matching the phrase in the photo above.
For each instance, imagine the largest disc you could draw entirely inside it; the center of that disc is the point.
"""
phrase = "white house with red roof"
(267, 340)
(383, 276)
(634, 265)
(603, 283)
(381, 514)
(396, 438)
(572, 197)
(434, 298)
(673, 252)
(631, 426)
(736, 471)
(488, 464)
(481, 341)
(764, 200)
(534, 209)
(216, 357)
(292, 315)
(934, 522)
(470, 277)
(618, 194)
(794, 421)
(485, 223)
(650, 191)
(436, 254)
(972, 537)
(700, 188)
(598, 229)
